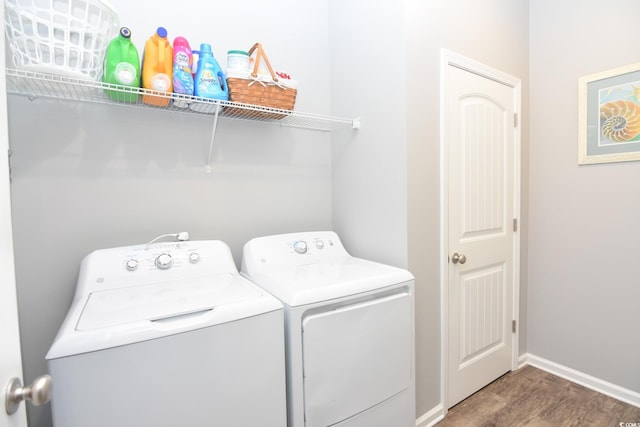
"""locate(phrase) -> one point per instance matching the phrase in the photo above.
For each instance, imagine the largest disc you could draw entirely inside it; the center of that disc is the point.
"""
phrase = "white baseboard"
(623, 394)
(522, 360)
(431, 418)
(631, 397)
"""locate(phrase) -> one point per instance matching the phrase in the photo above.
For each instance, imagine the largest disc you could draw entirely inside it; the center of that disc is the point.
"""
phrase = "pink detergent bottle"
(182, 67)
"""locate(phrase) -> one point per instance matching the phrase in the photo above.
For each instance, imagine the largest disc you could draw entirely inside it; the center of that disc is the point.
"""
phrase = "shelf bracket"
(207, 168)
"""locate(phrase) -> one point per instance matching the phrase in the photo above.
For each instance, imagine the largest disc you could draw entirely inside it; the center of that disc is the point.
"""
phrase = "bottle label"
(182, 82)
(160, 82)
(182, 75)
(182, 60)
(208, 84)
(125, 73)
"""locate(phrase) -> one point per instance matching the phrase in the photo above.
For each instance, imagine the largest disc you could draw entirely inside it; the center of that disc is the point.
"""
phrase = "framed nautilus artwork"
(609, 116)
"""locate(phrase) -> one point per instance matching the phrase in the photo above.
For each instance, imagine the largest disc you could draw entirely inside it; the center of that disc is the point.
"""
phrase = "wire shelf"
(35, 85)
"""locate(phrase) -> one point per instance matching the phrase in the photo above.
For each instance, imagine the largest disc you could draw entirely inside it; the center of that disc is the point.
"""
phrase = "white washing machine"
(349, 331)
(168, 334)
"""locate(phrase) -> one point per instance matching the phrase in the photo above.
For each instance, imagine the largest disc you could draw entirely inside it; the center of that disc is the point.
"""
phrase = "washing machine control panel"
(133, 265)
(162, 257)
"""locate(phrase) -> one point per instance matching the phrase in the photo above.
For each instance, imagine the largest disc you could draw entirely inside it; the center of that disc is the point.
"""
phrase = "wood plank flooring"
(530, 397)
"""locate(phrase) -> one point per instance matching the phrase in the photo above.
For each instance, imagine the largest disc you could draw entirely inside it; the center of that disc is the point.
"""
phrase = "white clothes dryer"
(349, 331)
(168, 334)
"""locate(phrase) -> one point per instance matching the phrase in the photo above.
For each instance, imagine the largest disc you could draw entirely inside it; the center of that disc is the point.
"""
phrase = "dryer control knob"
(194, 257)
(132, 265)
(164, 261)
(319, 244)
(300, 247)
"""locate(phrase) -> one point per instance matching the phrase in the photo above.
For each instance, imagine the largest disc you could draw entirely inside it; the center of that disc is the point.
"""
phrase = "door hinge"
(515, 224)
(515, 120)
(513, 326)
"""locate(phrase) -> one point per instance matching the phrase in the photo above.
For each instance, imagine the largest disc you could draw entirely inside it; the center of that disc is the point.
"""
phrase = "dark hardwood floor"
(534, 398)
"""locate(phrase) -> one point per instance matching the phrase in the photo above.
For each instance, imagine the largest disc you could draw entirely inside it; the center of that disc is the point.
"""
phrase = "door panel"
(482, 305)
(482, 168)
(481, 185)
(10, 360)
(356, 357)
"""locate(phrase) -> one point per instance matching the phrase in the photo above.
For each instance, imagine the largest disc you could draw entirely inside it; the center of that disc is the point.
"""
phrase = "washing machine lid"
(110, 318)
(159, 301)
(322, 281)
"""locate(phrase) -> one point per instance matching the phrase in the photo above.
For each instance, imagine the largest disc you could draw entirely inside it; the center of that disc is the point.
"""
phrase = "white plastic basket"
(67, 37)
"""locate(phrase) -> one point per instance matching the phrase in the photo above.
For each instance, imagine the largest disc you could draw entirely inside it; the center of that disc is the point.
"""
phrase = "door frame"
(452, 59)
(10, 357)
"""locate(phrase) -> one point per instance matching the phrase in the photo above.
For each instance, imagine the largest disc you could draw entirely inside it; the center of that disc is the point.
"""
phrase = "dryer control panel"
(307, 244)
(295, 249)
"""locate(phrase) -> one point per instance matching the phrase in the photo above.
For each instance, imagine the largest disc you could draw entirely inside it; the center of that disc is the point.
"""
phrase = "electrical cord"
(180, 237)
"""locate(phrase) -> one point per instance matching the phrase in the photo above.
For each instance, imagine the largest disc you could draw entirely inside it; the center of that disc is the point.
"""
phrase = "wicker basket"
(66, 37)
(260, 93)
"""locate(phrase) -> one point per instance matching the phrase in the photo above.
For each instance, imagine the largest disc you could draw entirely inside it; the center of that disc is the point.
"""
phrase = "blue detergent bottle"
(209, 81)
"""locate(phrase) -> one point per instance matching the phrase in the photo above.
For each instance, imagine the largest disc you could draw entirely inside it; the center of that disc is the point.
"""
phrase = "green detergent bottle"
(122, 67)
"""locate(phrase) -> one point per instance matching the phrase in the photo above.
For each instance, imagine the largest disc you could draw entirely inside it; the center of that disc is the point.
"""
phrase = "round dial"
(194, 257)
(300, 246)
(164, 261)
(132, 264)
(319, 244)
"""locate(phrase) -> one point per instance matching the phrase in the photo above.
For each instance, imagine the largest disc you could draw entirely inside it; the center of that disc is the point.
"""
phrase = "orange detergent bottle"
(157, 68)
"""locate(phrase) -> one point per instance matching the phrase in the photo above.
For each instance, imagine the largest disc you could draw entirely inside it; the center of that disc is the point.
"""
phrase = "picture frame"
(609, 116)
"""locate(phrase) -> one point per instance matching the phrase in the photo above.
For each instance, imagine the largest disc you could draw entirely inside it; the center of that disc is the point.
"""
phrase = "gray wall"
(584, 285)
(494, 33)
(81, 182)
(89, 176)
(368, 57)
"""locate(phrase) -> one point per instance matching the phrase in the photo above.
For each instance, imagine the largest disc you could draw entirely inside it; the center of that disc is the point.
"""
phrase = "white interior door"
(10, 360)
(482, 206)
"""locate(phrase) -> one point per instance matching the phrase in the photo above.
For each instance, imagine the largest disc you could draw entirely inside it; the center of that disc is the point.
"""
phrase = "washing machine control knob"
(164, 261)
(319, 244)
(132, 264)
(300, 247)
(194, 257)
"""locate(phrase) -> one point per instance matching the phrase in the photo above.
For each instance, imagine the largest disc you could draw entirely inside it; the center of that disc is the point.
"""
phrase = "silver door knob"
(39, 392)
(458, 258)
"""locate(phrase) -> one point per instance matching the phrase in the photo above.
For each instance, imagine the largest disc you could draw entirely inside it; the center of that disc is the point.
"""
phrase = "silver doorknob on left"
(39, 392)
(458, 258)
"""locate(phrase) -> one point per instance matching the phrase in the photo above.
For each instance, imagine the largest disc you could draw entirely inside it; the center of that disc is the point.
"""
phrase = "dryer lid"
(323, 281)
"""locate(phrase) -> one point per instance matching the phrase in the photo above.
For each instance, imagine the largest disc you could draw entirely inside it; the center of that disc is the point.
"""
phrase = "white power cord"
(180, 237)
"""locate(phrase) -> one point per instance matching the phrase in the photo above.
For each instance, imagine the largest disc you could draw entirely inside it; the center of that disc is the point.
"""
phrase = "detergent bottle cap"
(162, 32)
(205, 49)
(125, 32)
(180, 41)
